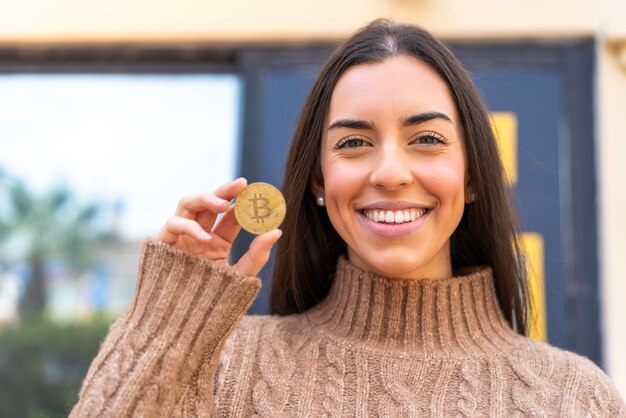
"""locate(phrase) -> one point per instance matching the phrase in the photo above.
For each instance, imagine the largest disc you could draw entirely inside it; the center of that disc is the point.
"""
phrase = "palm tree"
(38, 228)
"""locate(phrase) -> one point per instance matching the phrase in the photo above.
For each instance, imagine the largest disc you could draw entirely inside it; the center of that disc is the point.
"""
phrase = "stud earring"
(321, 201)
(472, 197)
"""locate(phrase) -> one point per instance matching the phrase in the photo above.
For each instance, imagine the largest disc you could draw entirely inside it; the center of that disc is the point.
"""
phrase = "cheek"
(445, 178)
(342, 178)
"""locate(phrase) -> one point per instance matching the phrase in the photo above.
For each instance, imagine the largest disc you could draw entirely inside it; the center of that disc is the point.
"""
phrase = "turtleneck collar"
(455, 317)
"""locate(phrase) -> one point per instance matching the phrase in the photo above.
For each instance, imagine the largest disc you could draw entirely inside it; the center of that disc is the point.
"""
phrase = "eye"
(429, 138)
(351, 142)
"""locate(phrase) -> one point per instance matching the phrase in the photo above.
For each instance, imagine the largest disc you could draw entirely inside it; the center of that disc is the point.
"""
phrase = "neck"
(458, 316)
(439, 267)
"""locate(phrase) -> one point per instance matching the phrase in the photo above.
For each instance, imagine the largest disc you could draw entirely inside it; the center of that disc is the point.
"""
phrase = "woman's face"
(394, 168)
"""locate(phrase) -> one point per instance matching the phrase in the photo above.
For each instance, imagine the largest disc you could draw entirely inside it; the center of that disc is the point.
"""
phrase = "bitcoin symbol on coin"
(259, 208)
(265, 209)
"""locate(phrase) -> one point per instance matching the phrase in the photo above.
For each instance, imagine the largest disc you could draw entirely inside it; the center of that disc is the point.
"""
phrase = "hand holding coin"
(194, 229)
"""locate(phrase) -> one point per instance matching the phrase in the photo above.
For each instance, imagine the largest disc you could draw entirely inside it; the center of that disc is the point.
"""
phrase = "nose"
(392, 169)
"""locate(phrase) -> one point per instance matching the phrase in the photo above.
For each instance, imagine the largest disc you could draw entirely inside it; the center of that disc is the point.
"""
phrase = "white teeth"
(398, 216)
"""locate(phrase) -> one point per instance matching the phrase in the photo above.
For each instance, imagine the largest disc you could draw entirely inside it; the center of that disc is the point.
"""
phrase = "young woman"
(397, 289)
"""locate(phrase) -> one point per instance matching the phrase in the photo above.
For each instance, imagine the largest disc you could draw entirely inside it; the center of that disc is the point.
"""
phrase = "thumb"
(257, 255)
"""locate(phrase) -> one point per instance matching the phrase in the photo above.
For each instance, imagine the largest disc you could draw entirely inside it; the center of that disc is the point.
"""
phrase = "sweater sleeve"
(596, 394)
(181, 313)
(604, 399)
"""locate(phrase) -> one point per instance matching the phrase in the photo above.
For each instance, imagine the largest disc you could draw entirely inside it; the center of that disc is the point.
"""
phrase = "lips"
(393, 218)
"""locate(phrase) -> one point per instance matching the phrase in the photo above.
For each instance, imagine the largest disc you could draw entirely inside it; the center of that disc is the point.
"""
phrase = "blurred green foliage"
(38, 227)
(43, 363)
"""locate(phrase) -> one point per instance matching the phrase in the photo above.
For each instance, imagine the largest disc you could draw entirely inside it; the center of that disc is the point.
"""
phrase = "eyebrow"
(408, 121)
(351, 123)
(424, 117)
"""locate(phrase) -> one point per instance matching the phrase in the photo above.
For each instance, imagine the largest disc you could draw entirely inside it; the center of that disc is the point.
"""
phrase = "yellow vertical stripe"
(504, 125)
(532, 247)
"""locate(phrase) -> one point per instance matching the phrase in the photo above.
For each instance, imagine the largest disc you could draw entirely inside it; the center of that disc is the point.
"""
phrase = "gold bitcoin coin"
(259, 208)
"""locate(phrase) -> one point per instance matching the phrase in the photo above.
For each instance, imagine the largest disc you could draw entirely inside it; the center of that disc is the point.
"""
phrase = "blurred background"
(111, 111)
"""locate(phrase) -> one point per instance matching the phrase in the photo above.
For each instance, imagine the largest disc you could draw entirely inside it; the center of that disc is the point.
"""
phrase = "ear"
(316, 188)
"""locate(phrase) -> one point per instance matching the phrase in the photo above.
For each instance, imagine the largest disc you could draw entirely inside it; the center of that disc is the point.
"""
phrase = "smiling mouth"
(402, 216)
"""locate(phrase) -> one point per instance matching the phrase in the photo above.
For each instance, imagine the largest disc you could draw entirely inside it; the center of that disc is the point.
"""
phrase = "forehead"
(398, 84)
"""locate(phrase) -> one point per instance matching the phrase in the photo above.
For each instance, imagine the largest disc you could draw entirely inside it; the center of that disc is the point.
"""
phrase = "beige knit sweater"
(374, 347)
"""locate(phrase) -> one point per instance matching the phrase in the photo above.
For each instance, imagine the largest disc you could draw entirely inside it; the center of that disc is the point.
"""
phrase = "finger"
(177, 226)
(228, 228)
(259, 252)
(206, 219)
(230, 190)
(217, 202)
(189, 206)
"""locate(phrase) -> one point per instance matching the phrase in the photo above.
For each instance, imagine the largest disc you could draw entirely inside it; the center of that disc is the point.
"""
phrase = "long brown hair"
(307, 254)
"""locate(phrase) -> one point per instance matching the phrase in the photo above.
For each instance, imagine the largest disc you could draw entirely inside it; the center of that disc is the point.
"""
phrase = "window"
(134, 143)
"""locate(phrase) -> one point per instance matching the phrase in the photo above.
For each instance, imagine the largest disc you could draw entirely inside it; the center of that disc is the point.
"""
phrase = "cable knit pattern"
(530, 392)
(601, 399)
(402, 380)
(468, 389)
(336, 370)
(272, 392)
(374, 346)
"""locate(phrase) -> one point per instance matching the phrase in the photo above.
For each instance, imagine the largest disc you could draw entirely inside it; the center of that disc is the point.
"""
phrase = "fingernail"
(279, 234)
